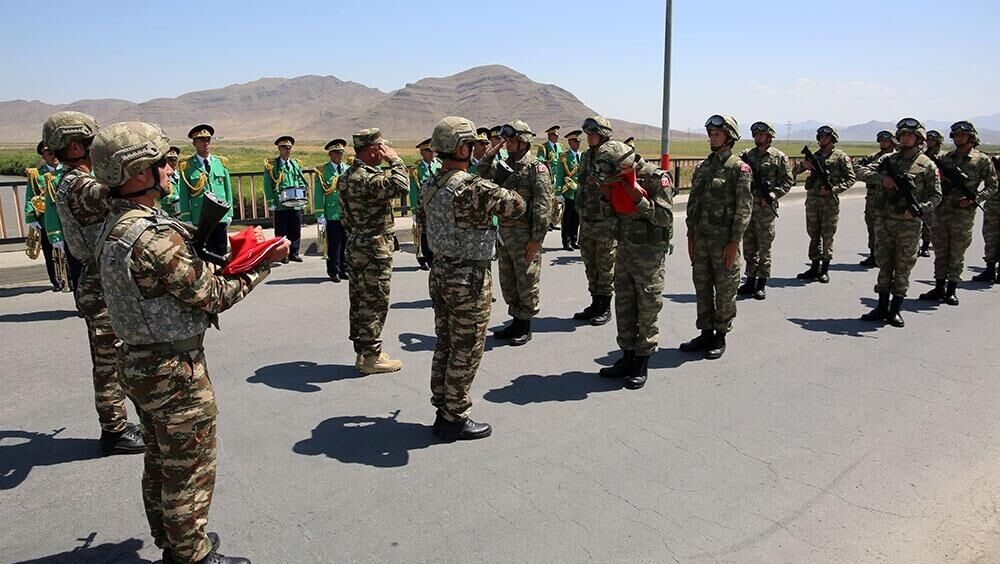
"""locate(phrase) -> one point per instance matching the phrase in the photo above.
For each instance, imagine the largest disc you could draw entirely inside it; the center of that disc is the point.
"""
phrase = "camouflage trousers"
(927, 228)
(870, 206)
(462, 292)
(991, 230)
(370, 262)
(639, 274)
(822, 214)
(109, 399)
(597, 249)
(897, 241)
(416, 233)
(757, 241)
(714, 284)
(952, 236)
(557, 212)
(519, 278)
(176, 405)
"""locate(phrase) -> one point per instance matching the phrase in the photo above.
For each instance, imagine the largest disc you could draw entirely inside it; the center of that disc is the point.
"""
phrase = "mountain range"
(987, 126)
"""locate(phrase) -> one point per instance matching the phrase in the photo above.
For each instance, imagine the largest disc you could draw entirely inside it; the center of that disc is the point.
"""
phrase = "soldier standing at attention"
(597, 229)
(644, 235)
(873, 191)
(934, 140)
(327, 206)
(40, 182)
(569, 167)
(897, 226)
(456, 213)
(991, 235)
(52, 172)
(718, 212)
(550, 153)
(203, 172)
(823, 202)
(955, 217)
(285, 192)
(521, 237)
(425, 168)
(83, 205)
(165, 298)
(773, 168)
(170, 202)
(366, 196)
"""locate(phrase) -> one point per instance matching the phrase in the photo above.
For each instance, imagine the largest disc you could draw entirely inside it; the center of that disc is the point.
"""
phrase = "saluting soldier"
(874, 190)
(201, 172)
(569, 171)
(597, 228)
(40, 182)
(550, 153)
(285, 192)
(424, 169)
(171, 202)
(326, 201)
(479, 148)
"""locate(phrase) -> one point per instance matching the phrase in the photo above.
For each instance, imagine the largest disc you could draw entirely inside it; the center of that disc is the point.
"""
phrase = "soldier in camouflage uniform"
(823, 202)
(954, 218)
(366, 196)
(456, 214)
(165, 298)
(933, 150)
(718, 212)
(644, 236)
(897, 227)
(83, 204)
(991, 235)
(597, 229)
(521, 237)
(873, 191)
(773, 167)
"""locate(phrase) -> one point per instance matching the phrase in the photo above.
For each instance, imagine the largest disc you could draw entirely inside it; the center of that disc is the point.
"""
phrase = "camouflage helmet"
(884, 135)
(451, 133)
(935, 135)
(611, 158)
(912, 125)
(759, 126)
(517, 129)
(725, 123)
(965, 127)
(827, 129)
(599, 125)
(123, 150)
(63, 127)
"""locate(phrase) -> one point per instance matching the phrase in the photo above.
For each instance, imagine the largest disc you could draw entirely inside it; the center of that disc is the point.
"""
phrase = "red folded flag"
(247, 252)
(621, 201)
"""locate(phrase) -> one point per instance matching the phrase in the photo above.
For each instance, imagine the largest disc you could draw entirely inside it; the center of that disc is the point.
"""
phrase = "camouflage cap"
(827, 129)
(124, 149)
(597, 124)
(41, 148)
(612, 157)
(64, 127)
(451, 132)
(366, 137)
(913, 125)
(517, 129)
(725, 123)
(884, 135)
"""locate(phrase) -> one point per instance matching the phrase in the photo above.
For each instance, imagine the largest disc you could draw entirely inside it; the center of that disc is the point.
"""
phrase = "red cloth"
(247, 252)
(621, 201)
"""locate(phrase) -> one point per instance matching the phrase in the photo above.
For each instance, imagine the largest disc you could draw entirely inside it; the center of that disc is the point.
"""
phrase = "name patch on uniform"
(744, 167)
(542, 168)
(848, 158)
(665, 181)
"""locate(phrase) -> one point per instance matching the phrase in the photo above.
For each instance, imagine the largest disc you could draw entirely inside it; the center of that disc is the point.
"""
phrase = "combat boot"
(988, 275)
(880, 311)
(523, 334)
(358, 361)
(621, 368)
(379, 364)
(949, 297)
(216, 558)
(699, 343)
(168, 556)
(718, 346)
(893, 317)
(925, 249)
(824, 272)
(463, 430)
(748, 287)
(810, 274)
(127, 441)
(603, 312)
(640, 370)
(588, 312)
(936, 294)
(869, 261)
(508, 332)
(760, 292)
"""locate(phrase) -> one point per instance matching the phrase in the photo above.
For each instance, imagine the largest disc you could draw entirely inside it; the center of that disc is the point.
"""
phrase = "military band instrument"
(33, 243)
(213, 209)
(321, 238)
(61, 269)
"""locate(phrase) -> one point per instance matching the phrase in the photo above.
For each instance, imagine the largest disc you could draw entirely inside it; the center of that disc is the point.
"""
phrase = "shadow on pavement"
(568, 386)
(681, 298)
(850, 327)
(786, 283)
(405, 268)
(293, 281)
(383, 442)
(662, 358)
(22, 451)
(554, 325)
(567, 259)
(302, 376)
(22, 290)
(850, 267)
(909, 304)
(54, 315)
(418, 304)
(413, 342)
(124, 552)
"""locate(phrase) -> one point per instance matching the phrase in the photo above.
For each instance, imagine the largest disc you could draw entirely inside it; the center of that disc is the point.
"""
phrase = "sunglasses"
(961, 126)
(715, 121)
(759, 126)
(508, 131)
(908, 123)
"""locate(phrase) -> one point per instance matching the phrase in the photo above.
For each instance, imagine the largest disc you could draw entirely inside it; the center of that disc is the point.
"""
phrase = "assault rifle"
(213, 210)
(905, 185)
(818, 167)
(761, 185)
(955, 176)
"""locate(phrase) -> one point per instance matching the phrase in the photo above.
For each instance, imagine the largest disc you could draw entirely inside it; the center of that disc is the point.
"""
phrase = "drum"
(293, 197)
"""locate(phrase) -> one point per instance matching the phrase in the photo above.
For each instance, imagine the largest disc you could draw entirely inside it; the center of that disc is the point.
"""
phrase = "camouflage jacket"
(871, 183)
(531, 179)
(919, 167)
(366, 197)
(589, 203)
(83, 205)
(653, 222)
(838, 164)
(720, 204)
(979, 170)
(772, 166)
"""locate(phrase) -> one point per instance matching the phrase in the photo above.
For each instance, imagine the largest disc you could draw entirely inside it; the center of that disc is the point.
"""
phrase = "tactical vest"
(589, 204)
(635, 228)
(443, 235)
(138, 320)
(712, 203)
(82, 239)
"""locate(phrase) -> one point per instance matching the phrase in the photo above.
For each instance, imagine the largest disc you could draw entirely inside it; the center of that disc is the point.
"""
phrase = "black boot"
(936, 294)
(523, 334)
(640, 369)
(760, 292)
(438, 419)
(869, 262)
(508, 332)
(810, 274)
(603, 312)
(988, 275)
(893, 318)
(717, 348)
(168, 556)
(748, 287)
(127, 441)
(699, 343)
(925, 249)
(216, 558)
(621, 368)
(464, 430)
(949, 297)
(880, 311)
(588, 312)
(824, 272)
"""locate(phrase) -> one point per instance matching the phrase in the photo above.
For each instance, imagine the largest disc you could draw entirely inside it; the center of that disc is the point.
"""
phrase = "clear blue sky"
(843, 62)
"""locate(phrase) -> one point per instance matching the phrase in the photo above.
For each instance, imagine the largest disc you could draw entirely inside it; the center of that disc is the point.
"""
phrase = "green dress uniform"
(326, 202)
(195, 179)
(37, 199)
(418, 176)
(171, 202)
(551, 154)
(568, 180)
(281, 175)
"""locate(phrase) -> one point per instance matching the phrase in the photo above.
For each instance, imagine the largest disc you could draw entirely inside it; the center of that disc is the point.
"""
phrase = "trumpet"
(34, 243)
(61, 266)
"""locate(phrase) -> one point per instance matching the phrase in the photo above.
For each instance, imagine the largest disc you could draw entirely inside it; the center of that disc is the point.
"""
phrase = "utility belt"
(174, 347)
(642, 232)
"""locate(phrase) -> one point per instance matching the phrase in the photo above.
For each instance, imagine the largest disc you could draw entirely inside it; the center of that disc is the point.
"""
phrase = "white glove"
(321, 219)
(59, 246)
(35, 226)
(560, 198)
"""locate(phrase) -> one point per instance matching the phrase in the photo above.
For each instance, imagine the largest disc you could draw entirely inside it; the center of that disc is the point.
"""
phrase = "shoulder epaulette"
(183, 165)
(225, 161)
(31, 173)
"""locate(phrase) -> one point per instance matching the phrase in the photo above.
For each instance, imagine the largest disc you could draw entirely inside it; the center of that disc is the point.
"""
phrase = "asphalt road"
(816, 439)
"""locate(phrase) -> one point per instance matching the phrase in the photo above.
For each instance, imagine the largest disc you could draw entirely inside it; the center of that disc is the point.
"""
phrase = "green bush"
(13, 163)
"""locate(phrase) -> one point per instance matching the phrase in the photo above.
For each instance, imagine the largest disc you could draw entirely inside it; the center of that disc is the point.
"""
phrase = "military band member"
(424, 169)
(479, 148)
(171, 202)
(569, 171)
(327, 205)
(285, 192)
(40, 182)
(51, 174)
(597, 228)
(201, 172)
(933, 150)
(550, 153)
(874, 190)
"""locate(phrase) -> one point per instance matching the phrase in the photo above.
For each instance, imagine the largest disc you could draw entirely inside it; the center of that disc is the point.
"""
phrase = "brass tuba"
(34, 243)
